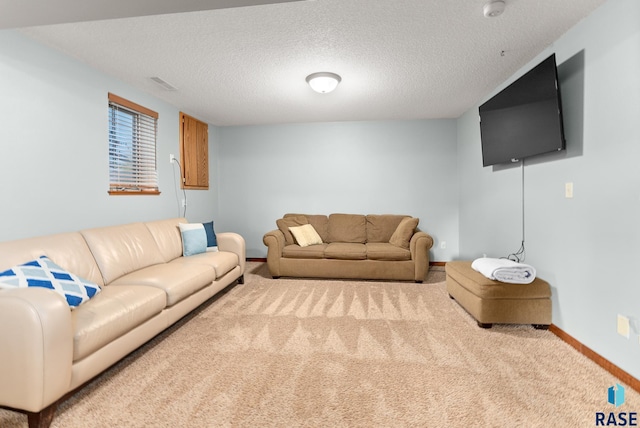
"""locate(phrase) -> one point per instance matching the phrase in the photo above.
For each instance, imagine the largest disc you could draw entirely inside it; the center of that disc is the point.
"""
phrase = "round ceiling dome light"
(493, 9)
(323, 82)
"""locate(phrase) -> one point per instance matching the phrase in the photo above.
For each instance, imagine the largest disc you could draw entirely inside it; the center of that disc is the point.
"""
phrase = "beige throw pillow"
(305, 235)
(404, 232)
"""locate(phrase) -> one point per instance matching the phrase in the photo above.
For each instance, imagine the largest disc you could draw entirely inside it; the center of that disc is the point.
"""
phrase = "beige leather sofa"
(48, 350)
(373, 246)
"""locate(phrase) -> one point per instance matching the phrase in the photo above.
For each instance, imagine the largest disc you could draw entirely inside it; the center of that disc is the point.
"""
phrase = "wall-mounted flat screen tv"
(525, 118)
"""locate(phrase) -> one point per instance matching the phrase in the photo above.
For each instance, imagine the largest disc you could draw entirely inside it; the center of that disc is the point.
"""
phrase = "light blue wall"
(399, 167)
(54, 173)
(586, 247)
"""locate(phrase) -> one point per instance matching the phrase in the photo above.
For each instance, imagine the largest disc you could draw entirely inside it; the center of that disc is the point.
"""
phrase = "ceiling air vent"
(163, 84)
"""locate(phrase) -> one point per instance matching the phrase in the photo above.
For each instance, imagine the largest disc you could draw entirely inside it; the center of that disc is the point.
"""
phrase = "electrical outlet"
(172, 158)
(443, 245)
(184, 202)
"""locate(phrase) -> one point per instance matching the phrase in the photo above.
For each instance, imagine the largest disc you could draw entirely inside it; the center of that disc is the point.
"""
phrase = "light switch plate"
(568, 190)
(623, 326)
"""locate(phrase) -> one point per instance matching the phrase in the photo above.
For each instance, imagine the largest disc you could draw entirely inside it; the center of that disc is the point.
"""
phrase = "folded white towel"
(505, 270)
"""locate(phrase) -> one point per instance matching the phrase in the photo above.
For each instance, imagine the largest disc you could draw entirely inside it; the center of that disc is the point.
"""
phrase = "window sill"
(133, 192)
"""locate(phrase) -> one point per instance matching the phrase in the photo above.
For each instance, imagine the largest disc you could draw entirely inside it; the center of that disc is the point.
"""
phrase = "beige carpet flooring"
(323, 353)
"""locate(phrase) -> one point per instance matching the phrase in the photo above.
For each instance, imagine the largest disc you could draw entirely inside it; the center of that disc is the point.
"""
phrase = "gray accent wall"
(395, 167)
(54, 173)
(587, 246)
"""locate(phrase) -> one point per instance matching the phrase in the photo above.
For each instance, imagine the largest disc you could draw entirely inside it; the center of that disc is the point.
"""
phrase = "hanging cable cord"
(520, 255)
(184, 192)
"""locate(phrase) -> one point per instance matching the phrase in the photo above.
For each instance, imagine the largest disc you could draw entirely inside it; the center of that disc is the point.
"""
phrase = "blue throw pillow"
(43, 272)
(212, 241)
(194, 238)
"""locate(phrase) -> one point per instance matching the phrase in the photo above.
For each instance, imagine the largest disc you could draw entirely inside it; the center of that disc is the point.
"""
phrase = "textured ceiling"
(399, 59)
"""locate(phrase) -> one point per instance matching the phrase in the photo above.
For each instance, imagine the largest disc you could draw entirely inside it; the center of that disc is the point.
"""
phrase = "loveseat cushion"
(347, 228)
(112, 313)
(386, 251)
(346, 251)
(310, 252)
(380, 227)
(177, 280)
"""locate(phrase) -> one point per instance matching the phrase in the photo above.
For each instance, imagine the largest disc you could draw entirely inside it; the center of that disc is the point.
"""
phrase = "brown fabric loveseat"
(353, 246)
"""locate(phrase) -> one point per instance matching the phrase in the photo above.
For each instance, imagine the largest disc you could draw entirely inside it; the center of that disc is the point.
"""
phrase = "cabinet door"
(194, 151)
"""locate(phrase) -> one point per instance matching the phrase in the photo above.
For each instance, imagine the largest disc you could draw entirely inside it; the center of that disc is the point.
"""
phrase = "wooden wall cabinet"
(194, 152)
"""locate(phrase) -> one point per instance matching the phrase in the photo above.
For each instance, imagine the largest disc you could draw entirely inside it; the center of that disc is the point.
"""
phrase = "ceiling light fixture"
(323, 82)
(493, 9)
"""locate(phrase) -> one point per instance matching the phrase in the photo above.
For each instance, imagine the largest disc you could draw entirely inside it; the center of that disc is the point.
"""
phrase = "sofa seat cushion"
(112, 313)
(222, 262)
(310, 252)
(177, 280)
(386, 251)
(346, 251)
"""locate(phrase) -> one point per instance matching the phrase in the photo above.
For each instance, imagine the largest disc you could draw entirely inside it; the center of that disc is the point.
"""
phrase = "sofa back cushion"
(380, 227)
(119, 250)
(347, 228)
(167, 236)
(290, 221)
(67, 250)
(319, 222)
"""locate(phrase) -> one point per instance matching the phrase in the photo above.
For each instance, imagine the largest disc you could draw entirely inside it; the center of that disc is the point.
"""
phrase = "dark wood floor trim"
(597, 358)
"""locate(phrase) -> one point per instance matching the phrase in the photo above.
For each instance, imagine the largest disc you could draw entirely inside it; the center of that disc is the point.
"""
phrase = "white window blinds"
(132, 148)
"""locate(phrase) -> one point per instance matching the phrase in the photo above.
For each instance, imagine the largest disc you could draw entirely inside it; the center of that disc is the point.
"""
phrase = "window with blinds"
(132, 148)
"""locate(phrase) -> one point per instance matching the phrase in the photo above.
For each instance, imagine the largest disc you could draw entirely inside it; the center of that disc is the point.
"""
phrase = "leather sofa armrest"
(37, 348)
(274, 240)
(234, 243)
(419, 246)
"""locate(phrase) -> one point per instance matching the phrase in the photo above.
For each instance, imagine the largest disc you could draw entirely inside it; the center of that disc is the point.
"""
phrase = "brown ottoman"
(494, 302)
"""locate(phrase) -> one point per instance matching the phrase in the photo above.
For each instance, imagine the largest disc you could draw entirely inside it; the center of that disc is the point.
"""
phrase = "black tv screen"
(525, 118)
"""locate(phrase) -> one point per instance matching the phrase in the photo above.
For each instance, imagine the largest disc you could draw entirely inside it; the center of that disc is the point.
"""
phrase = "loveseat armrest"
(36, 348)
(274, 240)
(233, 243)
(419, 246)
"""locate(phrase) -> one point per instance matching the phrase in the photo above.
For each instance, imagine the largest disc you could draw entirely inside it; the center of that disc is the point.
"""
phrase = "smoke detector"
(493, 9)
